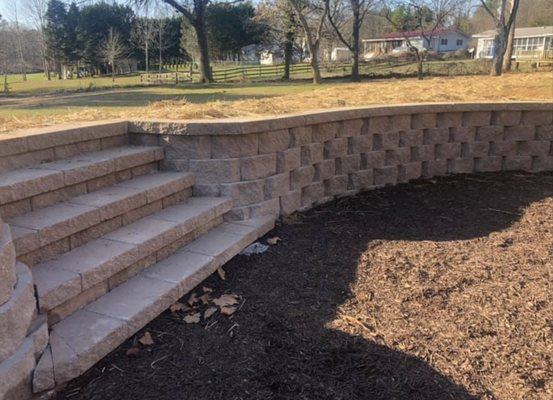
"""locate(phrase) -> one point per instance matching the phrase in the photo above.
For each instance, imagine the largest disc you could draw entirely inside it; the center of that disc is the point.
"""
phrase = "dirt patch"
(509, 87)
(434, 290)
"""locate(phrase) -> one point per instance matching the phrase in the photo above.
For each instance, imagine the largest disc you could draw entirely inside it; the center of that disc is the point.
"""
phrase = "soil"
(433, 290)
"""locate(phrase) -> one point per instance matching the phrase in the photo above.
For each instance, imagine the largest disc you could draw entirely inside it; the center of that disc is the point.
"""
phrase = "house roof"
(414, 34)
(521, 32)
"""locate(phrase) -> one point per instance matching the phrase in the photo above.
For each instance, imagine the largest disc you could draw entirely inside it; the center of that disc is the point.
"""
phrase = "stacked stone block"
(295, 167)
(23, 337)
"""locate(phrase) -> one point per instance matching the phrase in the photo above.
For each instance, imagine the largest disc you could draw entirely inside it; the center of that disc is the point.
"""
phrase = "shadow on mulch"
(278, 344)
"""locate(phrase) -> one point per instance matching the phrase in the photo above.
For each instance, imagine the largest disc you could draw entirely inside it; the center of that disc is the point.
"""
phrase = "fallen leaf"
(192, 318)
(133, 352)
(177, 307)
(209, 312)
(192, 299)
(146, 340)
(221, 272)
(226, 300)
(204, 298)
(207, 289)
(274, 240)
(228, 310)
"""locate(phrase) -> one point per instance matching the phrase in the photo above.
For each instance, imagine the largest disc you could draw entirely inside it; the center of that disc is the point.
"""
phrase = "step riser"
(31, 252)
(88, 296)
(42, 200)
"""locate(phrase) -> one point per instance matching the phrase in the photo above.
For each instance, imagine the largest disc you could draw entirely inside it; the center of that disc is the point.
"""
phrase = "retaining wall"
(283, 164)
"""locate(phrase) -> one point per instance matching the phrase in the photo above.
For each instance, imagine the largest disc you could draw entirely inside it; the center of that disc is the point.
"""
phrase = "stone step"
(40, 228)
(87, 268)
(50, 177)
(82, 339)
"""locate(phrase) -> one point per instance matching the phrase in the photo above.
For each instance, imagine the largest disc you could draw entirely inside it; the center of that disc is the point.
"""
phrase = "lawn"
(262, 98)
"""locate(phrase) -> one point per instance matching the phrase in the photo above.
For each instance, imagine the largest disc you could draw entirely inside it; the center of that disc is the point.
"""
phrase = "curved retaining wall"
(283, 164)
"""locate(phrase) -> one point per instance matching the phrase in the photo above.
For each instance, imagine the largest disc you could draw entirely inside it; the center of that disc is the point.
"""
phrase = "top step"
(32, 146)
(42, 178)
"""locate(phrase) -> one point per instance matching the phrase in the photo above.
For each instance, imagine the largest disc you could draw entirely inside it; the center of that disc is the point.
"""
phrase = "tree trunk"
(288, 53)
(500, 43)
(355, 46)
(201, 35)
(146, 57)
(314, 50)
(113, 71)
(6, 87)
(420, 60)
(509, 50)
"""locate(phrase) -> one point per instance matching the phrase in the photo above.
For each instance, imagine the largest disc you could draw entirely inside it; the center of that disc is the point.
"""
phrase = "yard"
(433, 290)
(223, 100)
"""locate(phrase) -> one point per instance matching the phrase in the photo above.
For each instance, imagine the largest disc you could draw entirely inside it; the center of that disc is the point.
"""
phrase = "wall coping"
(241, 126)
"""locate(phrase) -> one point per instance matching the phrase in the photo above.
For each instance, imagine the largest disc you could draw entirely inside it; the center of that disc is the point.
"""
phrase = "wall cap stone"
(242, 126)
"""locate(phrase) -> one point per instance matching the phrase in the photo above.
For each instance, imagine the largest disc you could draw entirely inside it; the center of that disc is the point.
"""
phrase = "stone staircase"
(112, 241)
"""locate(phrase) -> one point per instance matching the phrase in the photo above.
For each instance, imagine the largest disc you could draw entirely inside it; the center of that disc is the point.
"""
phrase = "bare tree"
(195, 13)
(112, 49)
(36, 11)
(339, 15)
(504, 19)
(312, 16)
(143, 35)
(425, 17)
(19, 41)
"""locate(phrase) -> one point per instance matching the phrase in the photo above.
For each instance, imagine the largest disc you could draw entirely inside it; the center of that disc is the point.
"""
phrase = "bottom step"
(82, 339)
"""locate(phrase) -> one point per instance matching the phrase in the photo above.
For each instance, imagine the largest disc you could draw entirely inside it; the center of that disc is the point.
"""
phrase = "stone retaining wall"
(283, 164)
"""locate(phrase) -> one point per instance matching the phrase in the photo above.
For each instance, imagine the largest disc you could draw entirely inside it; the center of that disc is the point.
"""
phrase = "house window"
(443, 42)
(459, 42)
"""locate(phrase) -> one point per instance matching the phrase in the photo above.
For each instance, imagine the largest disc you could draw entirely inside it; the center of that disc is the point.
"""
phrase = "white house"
(536, 42)
(340, 54)
(443, 40)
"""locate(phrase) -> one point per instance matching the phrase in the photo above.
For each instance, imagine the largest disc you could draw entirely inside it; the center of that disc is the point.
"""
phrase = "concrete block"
(312, 153)
(290, 202)
(489, 133)
(288, 160)
(390, 140)
(350, 128)
(477, 118)
(300, 136)
(537, 117)
(506, 118)
(409, 171)
(379, 124)
(448, 150)
(463, 134)
(336, 148)
(277, 185)
(385, 175)
(256, 167)
(436, 136)
(218, 170)
(544, 132)
(324, 170)
(400, 122)
(520, 132)
(488, 164)
(312, 193)
(187, 147)
(373, 159)
(7, 264)
(424, 121)
(271, 142)
(335, 185)
(325, 132)
(400, 155)
(517, 163)
(232, 146)
(302, 177)
(412, 137)
(43, 375)
(360, 144)
(244, 193)
(450, 119)
(348, 164)
(361, 180)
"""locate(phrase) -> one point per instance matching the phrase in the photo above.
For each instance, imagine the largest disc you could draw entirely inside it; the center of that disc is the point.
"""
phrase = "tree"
(504, 20)
(195, 13)
(232, 27)
(339, 14)
(55, 31)
(112, 49)
(36, 10)
(143, 36)
(19, 41)
(312, 16)
(423, 18)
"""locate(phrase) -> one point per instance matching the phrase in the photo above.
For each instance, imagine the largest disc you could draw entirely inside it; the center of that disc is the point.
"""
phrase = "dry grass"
(512, 87)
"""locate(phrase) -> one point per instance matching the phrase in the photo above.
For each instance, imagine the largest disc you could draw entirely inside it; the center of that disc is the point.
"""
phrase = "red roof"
(410, 34)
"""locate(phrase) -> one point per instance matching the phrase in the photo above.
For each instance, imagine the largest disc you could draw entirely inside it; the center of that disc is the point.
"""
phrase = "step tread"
(97, 260)
(31, 181)
(85, 337)
(55, 222)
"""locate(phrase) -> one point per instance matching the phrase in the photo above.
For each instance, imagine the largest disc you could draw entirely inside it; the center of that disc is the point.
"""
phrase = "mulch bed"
(434, 290)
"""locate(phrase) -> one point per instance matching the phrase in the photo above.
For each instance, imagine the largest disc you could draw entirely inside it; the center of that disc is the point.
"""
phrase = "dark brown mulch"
(434, 290)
